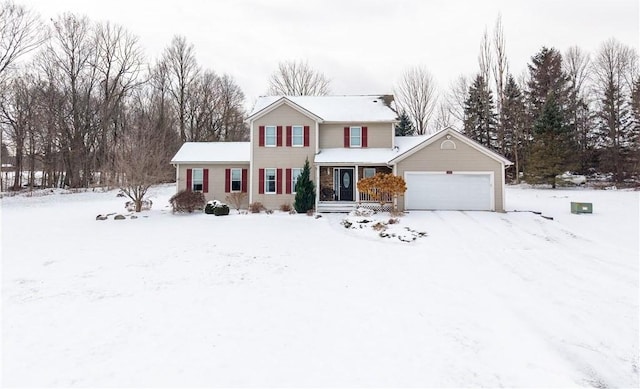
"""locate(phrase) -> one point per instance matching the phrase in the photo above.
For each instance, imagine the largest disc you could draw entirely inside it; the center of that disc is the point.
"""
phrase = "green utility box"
(581, 207)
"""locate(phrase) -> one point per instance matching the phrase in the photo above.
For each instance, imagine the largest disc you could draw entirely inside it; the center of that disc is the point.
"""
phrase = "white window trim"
(231, 180)
(364, 171)
(275, 180)
(301, 136)
(351, 137)
(193, 179)
(275, 136)
(294, 178)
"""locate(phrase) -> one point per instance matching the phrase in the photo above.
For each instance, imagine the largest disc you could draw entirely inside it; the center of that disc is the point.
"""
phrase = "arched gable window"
(447, 144)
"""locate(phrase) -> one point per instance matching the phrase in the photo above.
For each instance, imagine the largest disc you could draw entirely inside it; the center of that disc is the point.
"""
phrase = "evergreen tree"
(404, 126)
(550, 150)
(513, 120)
(547, 119)
(635, 131)
(305, 190)
(613, 65)
(546, 78)
(479, 114)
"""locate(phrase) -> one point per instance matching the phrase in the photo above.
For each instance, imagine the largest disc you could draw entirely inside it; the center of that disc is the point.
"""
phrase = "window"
(269, 180)
(197, 180)
(295, 174)
(369, 172)
(297, 136)
(355, 137)
(236, 180)
(270, 136)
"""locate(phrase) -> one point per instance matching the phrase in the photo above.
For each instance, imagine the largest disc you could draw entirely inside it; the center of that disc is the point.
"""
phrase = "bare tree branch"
(21, 31)
(416, 95)
(297, 78)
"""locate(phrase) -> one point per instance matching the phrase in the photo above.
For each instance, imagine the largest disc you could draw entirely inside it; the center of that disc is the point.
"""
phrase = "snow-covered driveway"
(486, 299)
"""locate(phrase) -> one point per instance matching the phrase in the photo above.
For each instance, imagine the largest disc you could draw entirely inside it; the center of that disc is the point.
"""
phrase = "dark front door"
(345, 177)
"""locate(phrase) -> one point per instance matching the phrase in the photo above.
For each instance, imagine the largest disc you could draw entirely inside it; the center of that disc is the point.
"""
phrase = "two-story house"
(345, 138)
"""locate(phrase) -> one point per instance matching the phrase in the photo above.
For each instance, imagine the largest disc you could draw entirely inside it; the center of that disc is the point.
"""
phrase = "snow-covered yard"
(485, 299)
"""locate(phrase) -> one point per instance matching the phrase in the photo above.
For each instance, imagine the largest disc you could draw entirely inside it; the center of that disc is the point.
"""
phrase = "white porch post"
(356, 184)
(317, 186)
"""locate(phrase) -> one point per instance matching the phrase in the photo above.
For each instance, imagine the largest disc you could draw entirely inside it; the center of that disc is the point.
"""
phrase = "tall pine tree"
(552, 149)
(613, 63)
(479, 114)
(551, 145)
(513, 120)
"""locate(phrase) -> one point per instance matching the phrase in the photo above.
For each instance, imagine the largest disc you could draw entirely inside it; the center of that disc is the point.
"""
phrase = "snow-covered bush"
(217, 208)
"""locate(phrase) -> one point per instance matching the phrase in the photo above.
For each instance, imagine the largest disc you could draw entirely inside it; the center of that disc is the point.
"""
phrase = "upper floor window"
(270, 136)
(297, 136)
(197, 180)
(355, 137)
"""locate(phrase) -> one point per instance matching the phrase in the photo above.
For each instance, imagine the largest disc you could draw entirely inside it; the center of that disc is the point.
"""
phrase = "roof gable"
(417, 146)
(366, 108)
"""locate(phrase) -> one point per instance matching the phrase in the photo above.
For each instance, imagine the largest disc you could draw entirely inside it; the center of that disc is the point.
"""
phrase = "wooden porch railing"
(366, 197)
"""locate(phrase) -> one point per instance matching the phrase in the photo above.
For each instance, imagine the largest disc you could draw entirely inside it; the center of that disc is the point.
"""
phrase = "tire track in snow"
(538, 323)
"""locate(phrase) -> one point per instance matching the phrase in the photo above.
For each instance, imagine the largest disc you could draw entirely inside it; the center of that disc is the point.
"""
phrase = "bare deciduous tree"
(20, 32)
(297, 78)
(455, 99)
(183, 69)
(500, 69)
(416, 95)
(141, 155)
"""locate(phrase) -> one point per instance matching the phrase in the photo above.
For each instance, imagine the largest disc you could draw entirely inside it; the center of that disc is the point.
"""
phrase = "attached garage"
(448, 171)
(442, 191)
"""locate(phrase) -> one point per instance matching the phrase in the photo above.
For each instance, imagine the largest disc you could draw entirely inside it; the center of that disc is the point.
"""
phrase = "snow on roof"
(370, 155)
(365, 108)
(213, 152)
(353, 155)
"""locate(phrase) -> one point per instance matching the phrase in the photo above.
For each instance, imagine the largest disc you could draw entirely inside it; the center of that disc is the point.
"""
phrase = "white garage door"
(471, 192)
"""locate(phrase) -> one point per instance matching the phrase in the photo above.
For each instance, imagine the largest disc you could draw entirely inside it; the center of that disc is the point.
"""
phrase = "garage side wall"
(463, 158)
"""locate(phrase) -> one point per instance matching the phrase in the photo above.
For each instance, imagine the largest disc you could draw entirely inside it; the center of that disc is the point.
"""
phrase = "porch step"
(337, 207)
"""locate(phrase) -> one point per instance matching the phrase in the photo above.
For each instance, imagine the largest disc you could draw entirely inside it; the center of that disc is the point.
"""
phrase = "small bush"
(187, 201)
(145, 205)
(221, 210)
(217, 208)
(269, 211)
(286, 207)
(256, 207)
(394, 220)
(310, 212)
(236, 199)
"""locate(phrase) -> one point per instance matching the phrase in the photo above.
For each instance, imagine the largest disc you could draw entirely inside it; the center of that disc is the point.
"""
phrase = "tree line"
(574, 112)
(88, 109)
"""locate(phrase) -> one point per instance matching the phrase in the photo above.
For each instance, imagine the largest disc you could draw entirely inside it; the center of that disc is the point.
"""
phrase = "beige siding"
(216, 180)
(379, 135)
(280, 157)
(463, 158)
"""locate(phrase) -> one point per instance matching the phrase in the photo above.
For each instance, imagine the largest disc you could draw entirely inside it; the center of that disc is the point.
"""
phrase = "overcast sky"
(362, 46)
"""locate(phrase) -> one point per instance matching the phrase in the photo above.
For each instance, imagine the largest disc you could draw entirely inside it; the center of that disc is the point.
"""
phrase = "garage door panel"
(448, 191)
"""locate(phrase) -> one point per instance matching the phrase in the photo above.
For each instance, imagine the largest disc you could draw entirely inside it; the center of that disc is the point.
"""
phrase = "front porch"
(338, 191)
